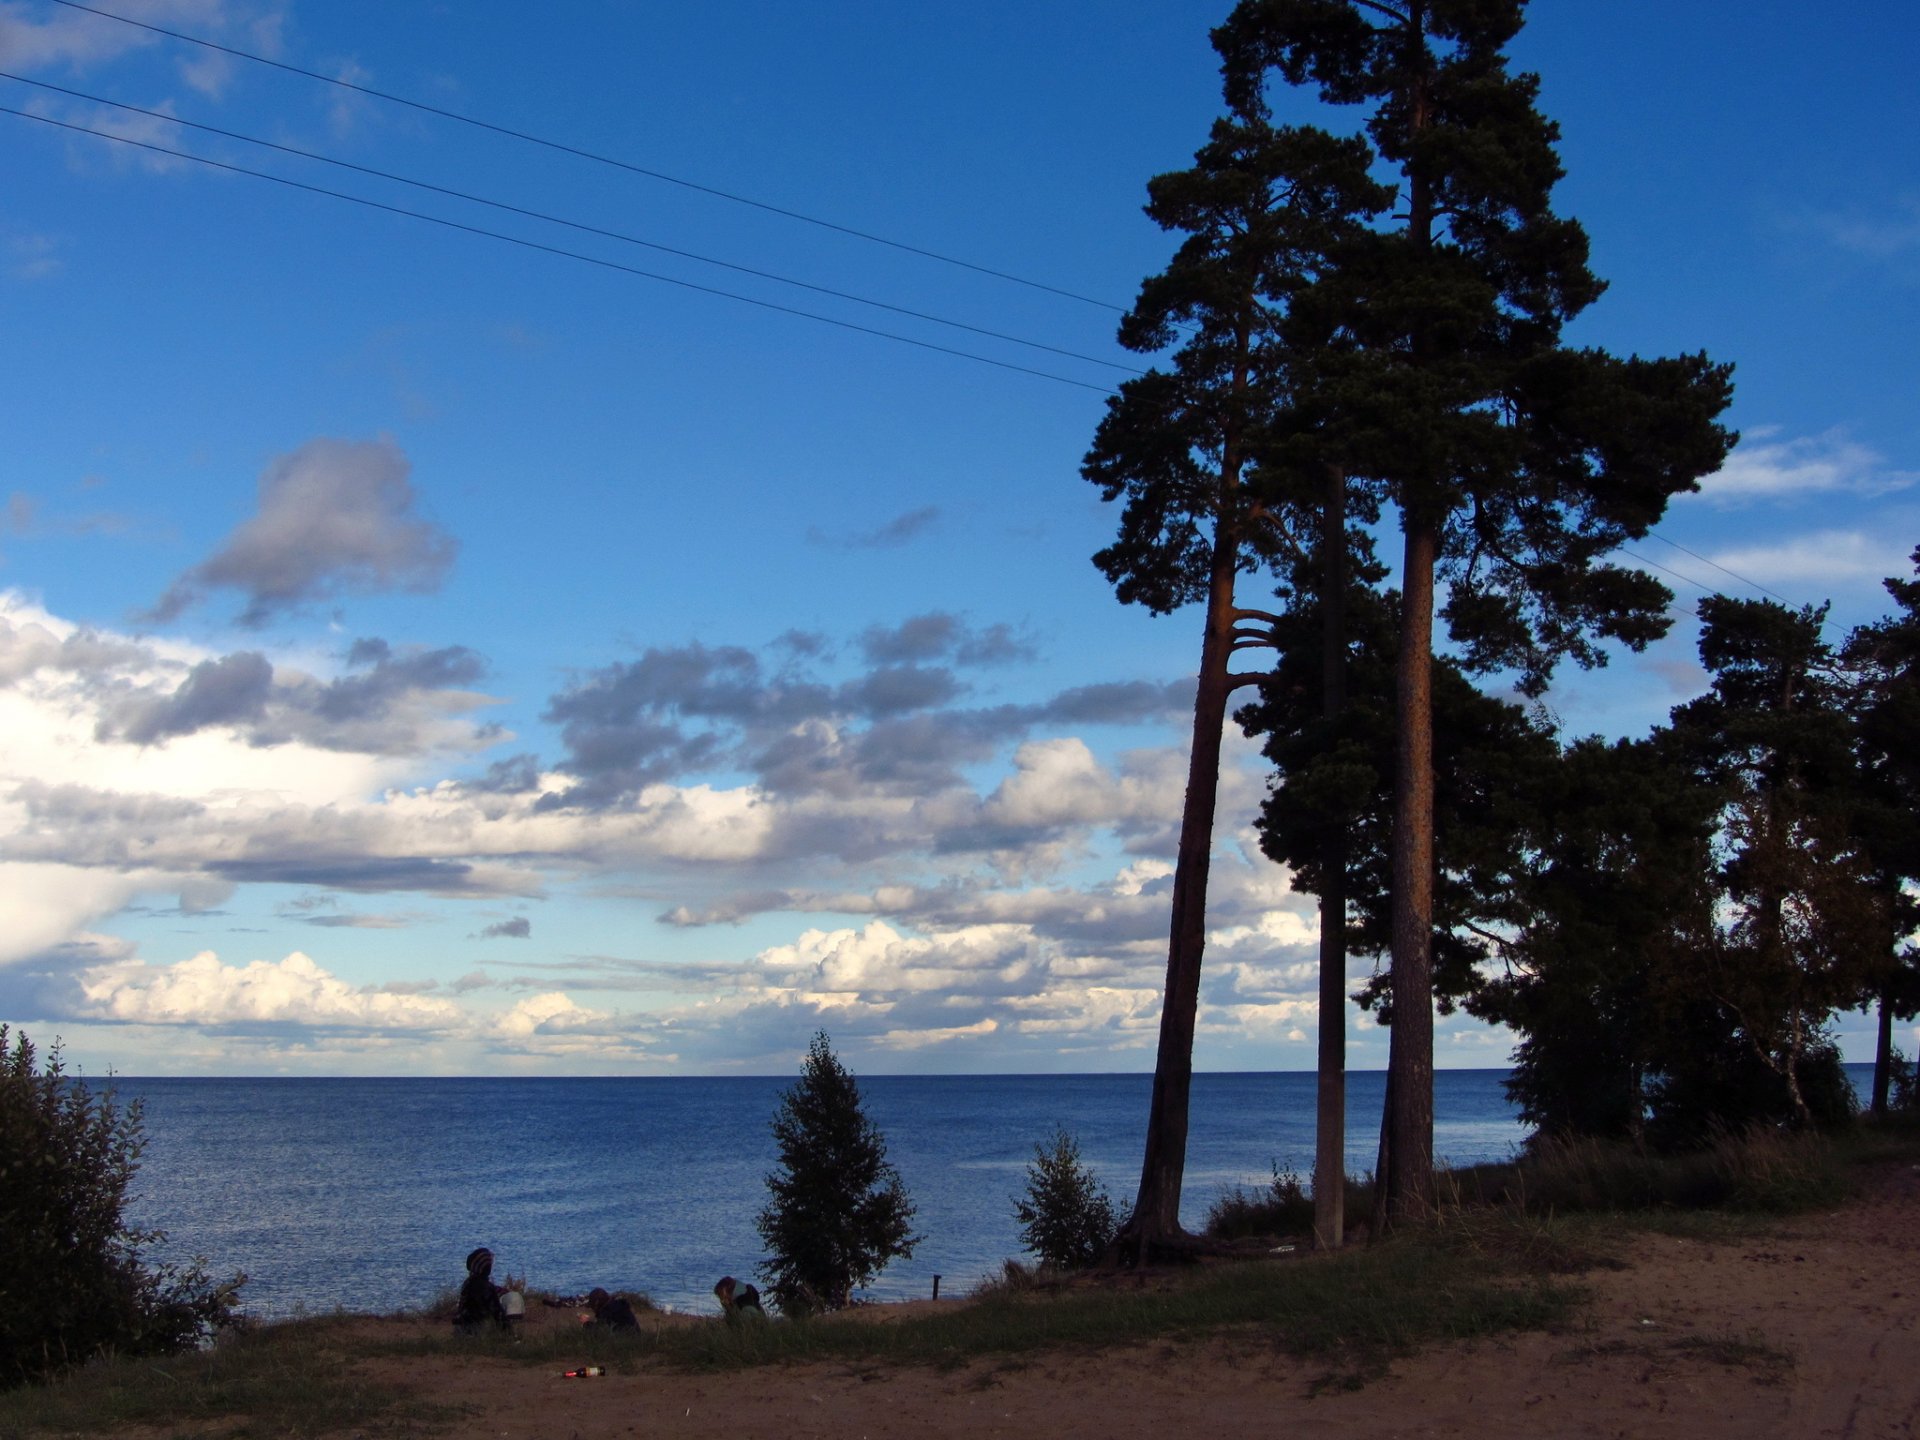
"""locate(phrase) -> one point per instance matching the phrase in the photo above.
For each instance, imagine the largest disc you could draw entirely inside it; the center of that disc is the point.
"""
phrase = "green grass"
(1351, 1313)
(1498, 1258)
(1765, 1172)
(1378, 1301)
(277, 1380)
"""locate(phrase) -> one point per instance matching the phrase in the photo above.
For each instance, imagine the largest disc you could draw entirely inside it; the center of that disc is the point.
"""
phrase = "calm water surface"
(367, 1194)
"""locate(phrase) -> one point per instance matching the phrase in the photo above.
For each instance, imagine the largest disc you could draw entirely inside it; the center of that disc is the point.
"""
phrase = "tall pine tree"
(1515, 463)
(1261, 208)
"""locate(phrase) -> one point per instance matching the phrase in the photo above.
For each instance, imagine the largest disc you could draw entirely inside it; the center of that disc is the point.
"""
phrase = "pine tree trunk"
(1883, 1052)
(1383, 1157)
(1409, 1120)
(1407, 1128)
(1155, 1226)
(1330, 1117)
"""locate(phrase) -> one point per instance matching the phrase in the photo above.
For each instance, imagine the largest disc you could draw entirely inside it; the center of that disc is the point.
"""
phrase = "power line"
(1664, 570)
(556, 250)
(1718, 566)
(584, 154)
(570, 224)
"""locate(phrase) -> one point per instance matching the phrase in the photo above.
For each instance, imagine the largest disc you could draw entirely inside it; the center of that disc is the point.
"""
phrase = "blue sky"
(339, 546)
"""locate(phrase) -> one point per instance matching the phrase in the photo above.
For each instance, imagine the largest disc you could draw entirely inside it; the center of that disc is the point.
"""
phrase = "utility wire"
(1664, 570)
(570, 224)
(1718, 566)
(1688, 579)
(556, 250)
(583, 154)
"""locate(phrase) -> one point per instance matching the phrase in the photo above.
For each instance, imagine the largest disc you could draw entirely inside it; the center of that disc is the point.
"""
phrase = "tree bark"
(1330, 1117)
(1407, 1127)
(1154, 1228)
(1883, 1052)
(1409, 1120)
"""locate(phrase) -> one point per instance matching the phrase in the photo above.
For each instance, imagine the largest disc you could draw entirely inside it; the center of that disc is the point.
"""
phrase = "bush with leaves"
(72, 1267)
(837, 1212)
(1066, 1217)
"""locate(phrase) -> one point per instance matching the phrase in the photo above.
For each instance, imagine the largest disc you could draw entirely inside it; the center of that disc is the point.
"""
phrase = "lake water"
(367, 1194)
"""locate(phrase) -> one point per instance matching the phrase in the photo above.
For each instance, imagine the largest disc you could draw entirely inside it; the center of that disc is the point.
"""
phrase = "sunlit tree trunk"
(1330, 1115)
(1155, 1222)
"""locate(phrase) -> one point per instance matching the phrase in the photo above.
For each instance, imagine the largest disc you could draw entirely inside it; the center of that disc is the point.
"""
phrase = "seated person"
(611, 1311)
(479, 1297)
(735, 1297)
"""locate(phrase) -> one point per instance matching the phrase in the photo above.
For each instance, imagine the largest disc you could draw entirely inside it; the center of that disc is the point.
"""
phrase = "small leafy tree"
(1066, 1217)
(838, 1212)
(71, 1266)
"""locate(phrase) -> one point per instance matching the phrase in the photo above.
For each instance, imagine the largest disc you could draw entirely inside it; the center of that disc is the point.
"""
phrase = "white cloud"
(1764, 468)
(977, 939)
(550, 1013)
(1826, 557)
(1889, 232)
(202, 991)
(73, 40)
(43, 906)
(33, 256)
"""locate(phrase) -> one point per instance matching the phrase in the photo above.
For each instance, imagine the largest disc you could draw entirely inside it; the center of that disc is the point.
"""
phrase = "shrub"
(1901, 1082)
(1066, 1218)
(77, 1282)
(837, 1212)
(1283, 1206)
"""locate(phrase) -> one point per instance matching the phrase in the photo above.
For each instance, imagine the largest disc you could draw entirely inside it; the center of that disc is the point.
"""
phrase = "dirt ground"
(1811, 1331)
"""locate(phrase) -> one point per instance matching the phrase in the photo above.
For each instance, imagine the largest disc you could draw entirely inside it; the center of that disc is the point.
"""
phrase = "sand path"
(1811, 1331)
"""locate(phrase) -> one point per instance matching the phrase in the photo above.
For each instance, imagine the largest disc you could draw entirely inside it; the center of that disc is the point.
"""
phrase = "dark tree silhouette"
(1885, 657)
(1330, 797)
(1514, 462)
(1612, 909)
(1261, 208)
(1805, 924)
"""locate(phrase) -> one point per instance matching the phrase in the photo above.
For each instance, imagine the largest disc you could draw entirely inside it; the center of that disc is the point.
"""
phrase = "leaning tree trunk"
(1154, 1228)
(1408, 1127)
(1330, 1116)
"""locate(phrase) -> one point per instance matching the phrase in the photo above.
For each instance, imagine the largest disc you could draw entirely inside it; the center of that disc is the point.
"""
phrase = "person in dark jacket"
(737, 1299)
(610, 1311)
(479, 1297)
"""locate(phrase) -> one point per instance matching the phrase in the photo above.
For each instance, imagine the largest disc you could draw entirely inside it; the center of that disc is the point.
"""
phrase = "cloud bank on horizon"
(421, 656)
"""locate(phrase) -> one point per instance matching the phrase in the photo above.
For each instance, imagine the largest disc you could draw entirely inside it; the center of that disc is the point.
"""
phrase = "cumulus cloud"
(961, 874)
(202, 991)
(335, 517)
(938, 635)
(895, 728)
(1764, 467)
(1825, 557)
(385, 702)
(226, 691)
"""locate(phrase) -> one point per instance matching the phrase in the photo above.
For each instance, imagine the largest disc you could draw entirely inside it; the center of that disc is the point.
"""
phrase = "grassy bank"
(1349, 1314)
(1505, 1255)
(289, 1379)
(1765, 1173)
